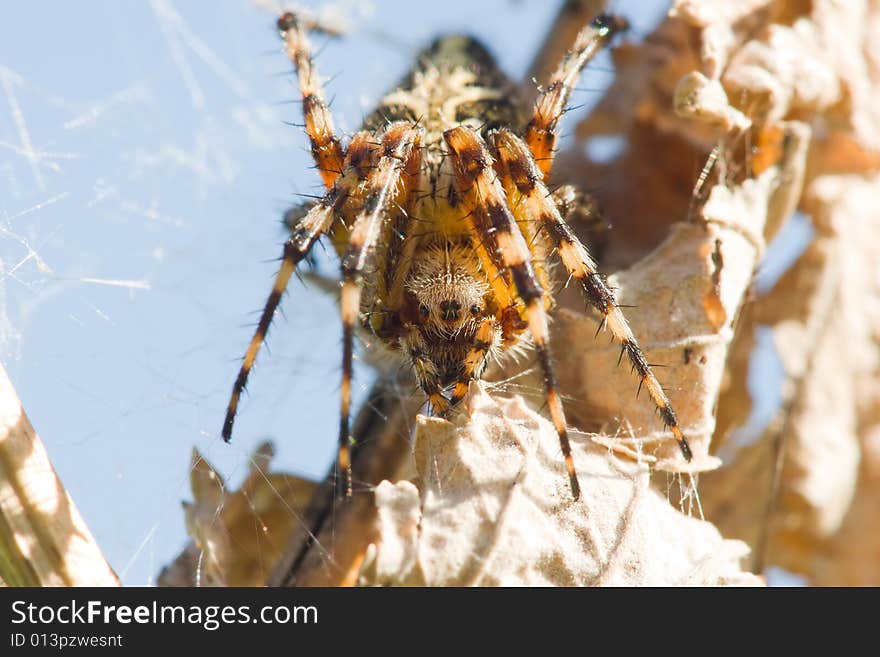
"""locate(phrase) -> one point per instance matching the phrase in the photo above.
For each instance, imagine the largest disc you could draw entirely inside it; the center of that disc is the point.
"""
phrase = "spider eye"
(475, 309)
(424, 310)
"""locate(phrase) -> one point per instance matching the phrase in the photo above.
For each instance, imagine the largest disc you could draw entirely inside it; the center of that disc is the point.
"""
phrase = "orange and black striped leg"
(528, 195)
(440, 405)
(316, 222)
(311, 227)
(475, 361)
(326, 147)
(541, 130)
(399, 144)
(426, 374)
(403, 237)
(491, 223)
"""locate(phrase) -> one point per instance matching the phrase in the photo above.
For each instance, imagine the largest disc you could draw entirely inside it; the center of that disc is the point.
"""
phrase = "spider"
(443, 194)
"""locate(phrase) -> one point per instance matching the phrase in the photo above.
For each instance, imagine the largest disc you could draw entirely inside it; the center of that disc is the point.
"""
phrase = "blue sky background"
(144, 167)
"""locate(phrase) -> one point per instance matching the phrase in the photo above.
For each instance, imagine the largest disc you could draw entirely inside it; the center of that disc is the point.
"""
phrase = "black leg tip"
(686, 450)
(610, 23)
(286, 21)
(227, 429)
(575, 487)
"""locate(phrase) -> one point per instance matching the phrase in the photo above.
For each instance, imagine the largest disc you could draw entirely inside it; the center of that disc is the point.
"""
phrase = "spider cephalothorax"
(442, 197)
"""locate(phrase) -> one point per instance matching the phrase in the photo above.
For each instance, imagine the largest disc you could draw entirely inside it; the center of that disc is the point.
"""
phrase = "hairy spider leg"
(320, 219)
(398, 143)
(326, 148)
(401, 238)
(529, 196)
(542, 129)
(491, 222)
(475, 361)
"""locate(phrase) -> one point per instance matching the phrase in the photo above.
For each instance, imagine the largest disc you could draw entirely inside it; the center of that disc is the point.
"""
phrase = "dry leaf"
(238, 536)
(495, 509)
(816, 518)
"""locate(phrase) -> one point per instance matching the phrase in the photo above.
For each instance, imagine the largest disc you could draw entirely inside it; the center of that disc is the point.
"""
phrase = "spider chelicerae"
(443, 198)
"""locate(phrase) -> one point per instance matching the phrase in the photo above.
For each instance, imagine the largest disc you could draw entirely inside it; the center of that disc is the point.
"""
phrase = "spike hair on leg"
(530, 196)
(491, 221)
(542, 129)
(398, 143)
(326, 147)
(319, 220)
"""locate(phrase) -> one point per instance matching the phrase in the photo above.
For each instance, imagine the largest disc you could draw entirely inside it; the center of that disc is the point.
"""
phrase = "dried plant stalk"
(43, 539)
(824, 316)
(799, 493)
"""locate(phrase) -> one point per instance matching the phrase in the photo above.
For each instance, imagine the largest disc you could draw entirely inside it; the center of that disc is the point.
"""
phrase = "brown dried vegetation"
(781, 99)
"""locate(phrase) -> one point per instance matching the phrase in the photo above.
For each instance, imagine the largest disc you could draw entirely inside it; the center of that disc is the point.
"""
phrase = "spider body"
(445, 310)
(445, 205)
